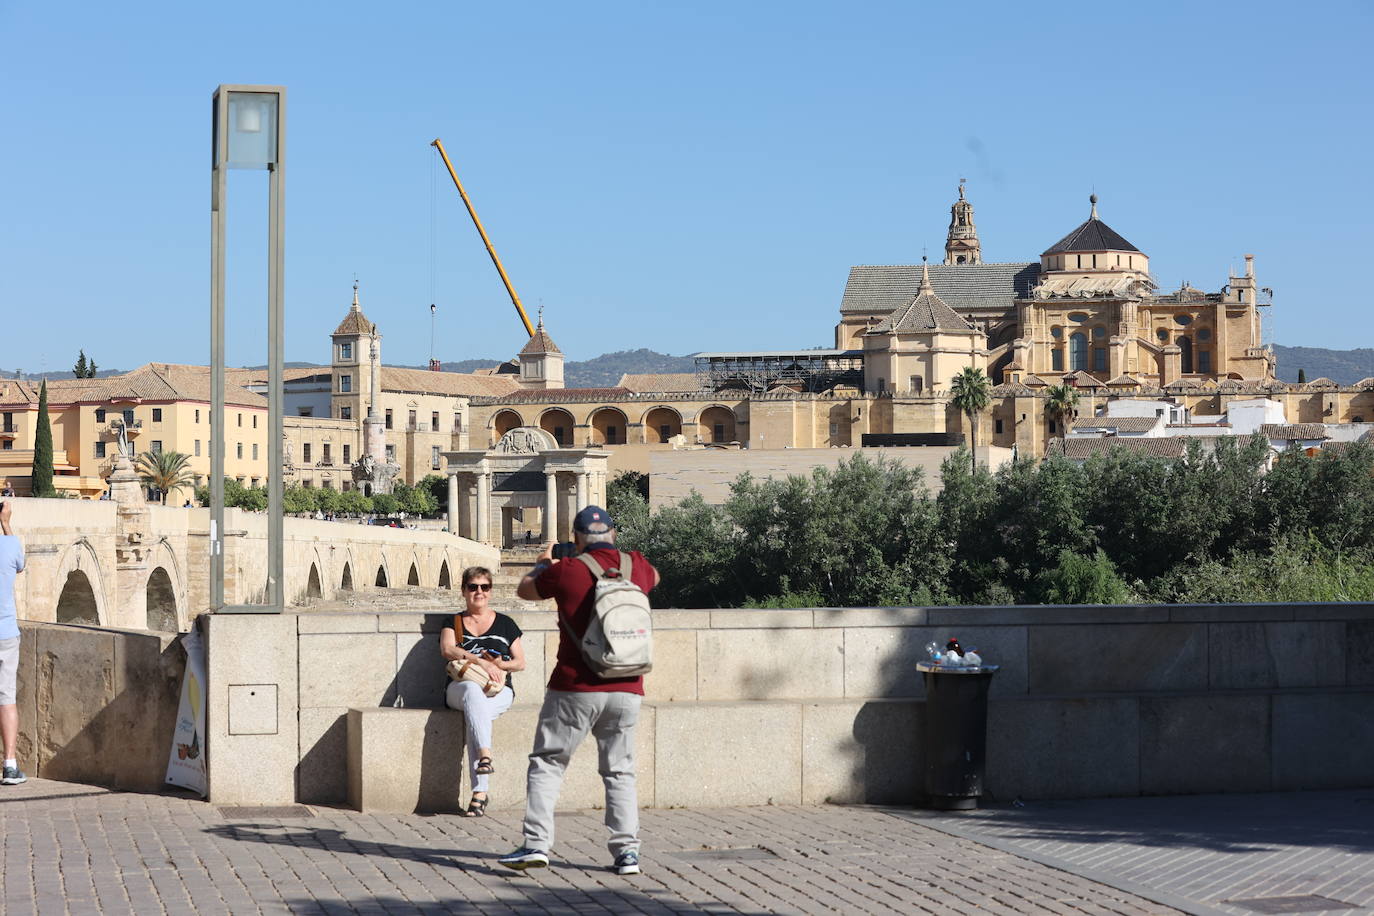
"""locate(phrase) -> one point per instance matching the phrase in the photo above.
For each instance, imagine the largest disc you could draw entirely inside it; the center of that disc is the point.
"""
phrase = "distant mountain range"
(1344, 367)
(1341, 366)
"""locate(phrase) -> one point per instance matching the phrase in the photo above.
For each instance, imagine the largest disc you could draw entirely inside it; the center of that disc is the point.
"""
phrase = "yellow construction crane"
(514, 298)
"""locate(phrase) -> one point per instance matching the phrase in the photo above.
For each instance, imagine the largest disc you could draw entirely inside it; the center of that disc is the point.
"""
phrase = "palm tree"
(168, 471)
(971, 392)
(1062, 405)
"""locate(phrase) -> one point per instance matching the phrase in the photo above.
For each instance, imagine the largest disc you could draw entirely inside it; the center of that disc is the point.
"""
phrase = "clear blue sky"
(682, 177)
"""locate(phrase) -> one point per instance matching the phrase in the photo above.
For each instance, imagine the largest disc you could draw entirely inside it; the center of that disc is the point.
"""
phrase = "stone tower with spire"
(961, 245)
(541, 362)
(356, 359)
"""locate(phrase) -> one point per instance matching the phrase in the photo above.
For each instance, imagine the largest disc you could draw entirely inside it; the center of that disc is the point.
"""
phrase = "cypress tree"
(1302, 376)
(79, 370)
(41, 481)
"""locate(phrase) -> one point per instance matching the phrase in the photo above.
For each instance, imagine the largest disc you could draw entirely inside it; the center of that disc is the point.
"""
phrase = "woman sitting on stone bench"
(491, 640)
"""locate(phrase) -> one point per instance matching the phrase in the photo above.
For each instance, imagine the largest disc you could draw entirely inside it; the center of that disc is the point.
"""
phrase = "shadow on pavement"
(1221, 823)
(332, 840)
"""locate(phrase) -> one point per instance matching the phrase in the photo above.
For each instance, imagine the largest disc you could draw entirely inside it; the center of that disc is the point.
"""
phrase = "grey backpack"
(619, 641)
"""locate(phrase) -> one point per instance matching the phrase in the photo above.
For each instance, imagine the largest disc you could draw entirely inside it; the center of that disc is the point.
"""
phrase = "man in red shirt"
(577, 701)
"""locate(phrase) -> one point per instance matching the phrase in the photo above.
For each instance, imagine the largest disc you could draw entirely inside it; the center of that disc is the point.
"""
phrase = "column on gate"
(453, 503)
(550, 504)
(483, 533)
(581, 490)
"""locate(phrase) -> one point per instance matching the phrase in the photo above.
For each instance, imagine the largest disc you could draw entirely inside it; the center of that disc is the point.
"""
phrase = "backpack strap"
(597, 571)
(624, 570)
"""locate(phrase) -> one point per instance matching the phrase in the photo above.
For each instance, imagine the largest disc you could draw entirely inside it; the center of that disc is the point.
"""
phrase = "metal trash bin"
(956, 733)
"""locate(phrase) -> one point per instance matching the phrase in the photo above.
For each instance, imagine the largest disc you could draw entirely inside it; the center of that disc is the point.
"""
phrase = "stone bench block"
(715, 754)
(1067, 747)
(862, 752)
(405, 760)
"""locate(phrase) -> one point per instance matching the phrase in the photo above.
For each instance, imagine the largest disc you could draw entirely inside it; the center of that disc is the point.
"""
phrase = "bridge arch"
(445, 579)
(165, 598)
(80, 572)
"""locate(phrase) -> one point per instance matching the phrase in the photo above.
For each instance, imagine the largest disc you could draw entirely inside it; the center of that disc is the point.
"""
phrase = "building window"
(1163, 335)
(100, 450)
(255, 451)
(328, 458)
(197, 448)
(434, 421)
(1204, 334)
(388, 418)
(238, 451)
(457, 422)
(197, 415)
(99, 415)
(1057, 360)
(1204, 360)
(255, 421)
(7, 445)
(1099, 359)
(1099, 332)
(327, 484)
(305, 411)
(665, 432)
(1078, 351)
(157, 414)
(718, 432)
(345, 383)
(240, 420)
(558, 436)
(1056, 333)
(434, 457)
(391, 453)
(410, 420)
(345, 351)
(997, 424)
(305, 453)
(1052, 428)
(1185, 347)
(129, 416)
(345, 413)
(156, 447)
(348, 453)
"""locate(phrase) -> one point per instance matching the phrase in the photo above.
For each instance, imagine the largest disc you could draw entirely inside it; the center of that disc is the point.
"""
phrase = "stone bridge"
(139, 566)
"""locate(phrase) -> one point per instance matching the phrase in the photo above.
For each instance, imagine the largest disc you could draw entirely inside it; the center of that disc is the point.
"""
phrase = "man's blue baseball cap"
(592, 515)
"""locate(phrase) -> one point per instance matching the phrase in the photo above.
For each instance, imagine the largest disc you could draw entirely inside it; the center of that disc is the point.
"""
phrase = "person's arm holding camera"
(527, 588)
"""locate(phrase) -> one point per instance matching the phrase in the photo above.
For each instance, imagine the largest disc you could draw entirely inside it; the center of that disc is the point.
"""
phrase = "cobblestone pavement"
(77, 849)
(1308, 852)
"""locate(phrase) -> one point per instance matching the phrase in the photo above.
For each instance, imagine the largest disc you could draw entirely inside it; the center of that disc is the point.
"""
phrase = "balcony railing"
(112, 428)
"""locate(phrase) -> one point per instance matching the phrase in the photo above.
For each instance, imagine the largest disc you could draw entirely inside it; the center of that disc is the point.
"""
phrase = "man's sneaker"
(524, 858)
(12, 776)
(627, 863)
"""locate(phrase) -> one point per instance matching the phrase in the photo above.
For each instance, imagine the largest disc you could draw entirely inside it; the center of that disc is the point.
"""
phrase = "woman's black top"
(499, 638)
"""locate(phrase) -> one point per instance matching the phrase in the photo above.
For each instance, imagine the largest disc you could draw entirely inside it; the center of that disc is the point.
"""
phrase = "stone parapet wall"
(98, 705)
(826, 705)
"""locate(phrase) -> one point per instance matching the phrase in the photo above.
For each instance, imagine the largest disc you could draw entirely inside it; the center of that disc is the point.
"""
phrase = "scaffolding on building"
(766, 370)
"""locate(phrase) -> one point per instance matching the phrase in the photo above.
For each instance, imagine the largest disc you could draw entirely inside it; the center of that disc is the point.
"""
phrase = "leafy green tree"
(168, 472)
(41, 481)
(385, 504)
(1061, 404)
(436, 485)
(327, 499)
(971, 393)
(353, 502)
(1084, 579)
(627, 502)
(414, 500)
(693, 546)
(297, 500)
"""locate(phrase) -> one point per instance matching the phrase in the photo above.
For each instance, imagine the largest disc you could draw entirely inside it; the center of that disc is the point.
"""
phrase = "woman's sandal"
(484, 766)
(477, 807)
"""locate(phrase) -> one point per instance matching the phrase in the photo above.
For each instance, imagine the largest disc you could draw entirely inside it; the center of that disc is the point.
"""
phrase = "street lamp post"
(248, 130)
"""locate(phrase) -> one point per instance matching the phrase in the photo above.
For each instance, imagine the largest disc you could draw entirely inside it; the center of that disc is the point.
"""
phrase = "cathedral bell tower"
(962, 247)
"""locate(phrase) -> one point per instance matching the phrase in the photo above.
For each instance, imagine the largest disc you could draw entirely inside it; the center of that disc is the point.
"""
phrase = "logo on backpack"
(619, 641)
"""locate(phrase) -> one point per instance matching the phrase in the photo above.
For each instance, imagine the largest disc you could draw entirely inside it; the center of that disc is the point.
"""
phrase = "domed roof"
(1091, 235)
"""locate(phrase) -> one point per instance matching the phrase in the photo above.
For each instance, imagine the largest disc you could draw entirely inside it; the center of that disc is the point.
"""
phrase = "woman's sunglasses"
(479, 586)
